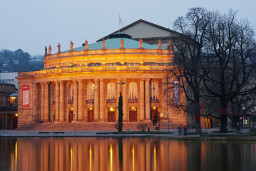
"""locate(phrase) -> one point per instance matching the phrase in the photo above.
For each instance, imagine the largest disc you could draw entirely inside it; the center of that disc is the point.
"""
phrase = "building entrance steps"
(89, 126)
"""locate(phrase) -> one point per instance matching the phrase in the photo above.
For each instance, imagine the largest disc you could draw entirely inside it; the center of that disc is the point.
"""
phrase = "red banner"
(25, 95)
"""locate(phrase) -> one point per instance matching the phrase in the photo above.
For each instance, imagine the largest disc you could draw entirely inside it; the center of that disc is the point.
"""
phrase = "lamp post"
(120, 85)
(243, 108)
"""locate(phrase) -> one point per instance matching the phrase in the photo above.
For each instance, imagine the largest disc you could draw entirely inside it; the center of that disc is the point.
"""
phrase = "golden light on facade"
(122, 63)
(90, 108)
(161, 115)
(71, 109)
(141, 63)
(154, 108)
(16, 114)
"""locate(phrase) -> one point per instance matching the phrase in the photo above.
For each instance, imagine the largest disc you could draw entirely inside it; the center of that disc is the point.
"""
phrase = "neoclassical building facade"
(84, 84)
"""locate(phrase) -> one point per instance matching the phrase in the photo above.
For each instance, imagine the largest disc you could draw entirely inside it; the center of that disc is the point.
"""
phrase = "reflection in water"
(111, 154)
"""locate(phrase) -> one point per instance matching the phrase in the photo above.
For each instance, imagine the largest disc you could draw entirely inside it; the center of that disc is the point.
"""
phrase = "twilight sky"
(32, 24)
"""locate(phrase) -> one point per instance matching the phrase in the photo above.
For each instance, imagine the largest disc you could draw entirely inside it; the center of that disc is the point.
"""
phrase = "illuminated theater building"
(84, 84)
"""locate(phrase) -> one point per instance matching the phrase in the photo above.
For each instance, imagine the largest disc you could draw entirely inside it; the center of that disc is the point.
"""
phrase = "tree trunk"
(223, 118)
(197, 115)
(120, 116)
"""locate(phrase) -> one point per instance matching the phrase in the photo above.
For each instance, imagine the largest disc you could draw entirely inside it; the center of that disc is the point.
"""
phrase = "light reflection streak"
(133, 157)
(90, 152)
(155, 157)
(71, 157)
(16, 154)
(111, 157)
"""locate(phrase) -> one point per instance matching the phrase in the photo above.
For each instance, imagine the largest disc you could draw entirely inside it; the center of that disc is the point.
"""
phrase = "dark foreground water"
(127, 154)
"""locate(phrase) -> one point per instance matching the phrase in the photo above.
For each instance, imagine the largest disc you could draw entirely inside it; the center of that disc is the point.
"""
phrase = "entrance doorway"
(208, 122)
(71, 115)
(132, 114)
(111, 114)
(90, 114)
(155, 115)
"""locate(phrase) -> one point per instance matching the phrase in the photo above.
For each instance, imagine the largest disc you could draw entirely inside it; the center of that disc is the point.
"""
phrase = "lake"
(126, 154)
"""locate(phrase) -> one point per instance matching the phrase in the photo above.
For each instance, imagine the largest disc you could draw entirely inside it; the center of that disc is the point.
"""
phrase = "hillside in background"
(19, 61)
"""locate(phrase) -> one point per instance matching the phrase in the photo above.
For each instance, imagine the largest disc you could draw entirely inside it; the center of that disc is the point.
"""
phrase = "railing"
(88, 69)
(70, 101)
(90, 101)
(111, 100)
(132, 100)
(154, 100)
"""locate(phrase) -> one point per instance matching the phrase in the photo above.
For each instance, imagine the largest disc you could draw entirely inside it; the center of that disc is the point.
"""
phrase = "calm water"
(127, 154)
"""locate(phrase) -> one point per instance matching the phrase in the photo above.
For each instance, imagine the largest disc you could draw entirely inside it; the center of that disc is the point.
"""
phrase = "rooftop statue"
(50, 50)
(71, 46)
(45, 51)
(122, 43)
(170, 46)
(58, 47)
(141, 41)
(103, 44)
(86, 45)
(159, 44)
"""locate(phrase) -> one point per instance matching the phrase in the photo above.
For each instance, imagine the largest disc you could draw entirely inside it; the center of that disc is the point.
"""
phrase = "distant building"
(9, 77)
(8, 106)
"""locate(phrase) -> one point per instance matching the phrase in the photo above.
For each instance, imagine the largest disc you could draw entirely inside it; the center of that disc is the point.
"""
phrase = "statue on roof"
(170, 46)
(71, 46)
(103, 44)
(141, 41)
(45, 51)
(159, 43)
(58, 47)
(86, 45)
(50, 50)
(122, 43)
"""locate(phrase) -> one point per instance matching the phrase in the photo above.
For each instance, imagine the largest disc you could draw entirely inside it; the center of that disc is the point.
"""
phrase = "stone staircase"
(93, 126)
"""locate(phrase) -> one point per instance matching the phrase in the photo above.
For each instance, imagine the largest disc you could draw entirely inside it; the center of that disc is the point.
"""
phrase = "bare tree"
(188, 51)
(228, 70)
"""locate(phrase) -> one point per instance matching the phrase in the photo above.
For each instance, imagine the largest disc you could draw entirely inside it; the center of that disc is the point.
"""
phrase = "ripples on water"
(127, 154)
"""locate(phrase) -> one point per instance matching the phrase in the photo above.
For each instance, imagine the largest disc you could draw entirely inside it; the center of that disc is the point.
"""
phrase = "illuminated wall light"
(90, 108)
(141, 63)
(112, 109)
(122, 63)
(154, 108)
(71, 109)
(16, 114)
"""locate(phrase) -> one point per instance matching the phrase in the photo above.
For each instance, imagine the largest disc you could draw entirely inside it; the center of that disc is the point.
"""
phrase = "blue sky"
(32, 24)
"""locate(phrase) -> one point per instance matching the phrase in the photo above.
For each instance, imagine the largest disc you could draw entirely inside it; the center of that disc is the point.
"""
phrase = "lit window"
(90, 91)
(132, 90)
(111, 91)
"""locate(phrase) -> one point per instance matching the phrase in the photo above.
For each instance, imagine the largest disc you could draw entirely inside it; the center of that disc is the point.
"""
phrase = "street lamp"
(120, 85)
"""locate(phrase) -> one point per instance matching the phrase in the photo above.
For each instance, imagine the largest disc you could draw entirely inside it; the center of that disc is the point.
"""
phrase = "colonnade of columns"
(59, 111)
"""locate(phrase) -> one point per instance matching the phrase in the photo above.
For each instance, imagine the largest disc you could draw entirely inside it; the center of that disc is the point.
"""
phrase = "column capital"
(101, 79)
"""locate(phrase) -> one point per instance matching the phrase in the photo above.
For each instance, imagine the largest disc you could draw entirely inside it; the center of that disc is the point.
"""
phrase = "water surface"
(127, 154)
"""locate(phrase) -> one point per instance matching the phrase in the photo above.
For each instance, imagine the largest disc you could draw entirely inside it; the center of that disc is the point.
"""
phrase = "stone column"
(80, 100)
(61, 101)
(75, 99)
(57, 90)
(164, 97)
(147, 100)
(142, 100)
(35, 103)
(42, 102)
(96, 100)
(102, 102)
(46, 103)
(124, 94)
(118, 89)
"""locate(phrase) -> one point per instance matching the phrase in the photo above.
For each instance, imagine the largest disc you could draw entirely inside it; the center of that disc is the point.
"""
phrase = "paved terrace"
(106, 129)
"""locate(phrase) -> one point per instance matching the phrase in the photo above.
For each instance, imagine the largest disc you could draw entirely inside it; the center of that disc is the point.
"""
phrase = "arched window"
(111, 91)
(132, 90)
(70, 93)
(90, 91)
(154, 90)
